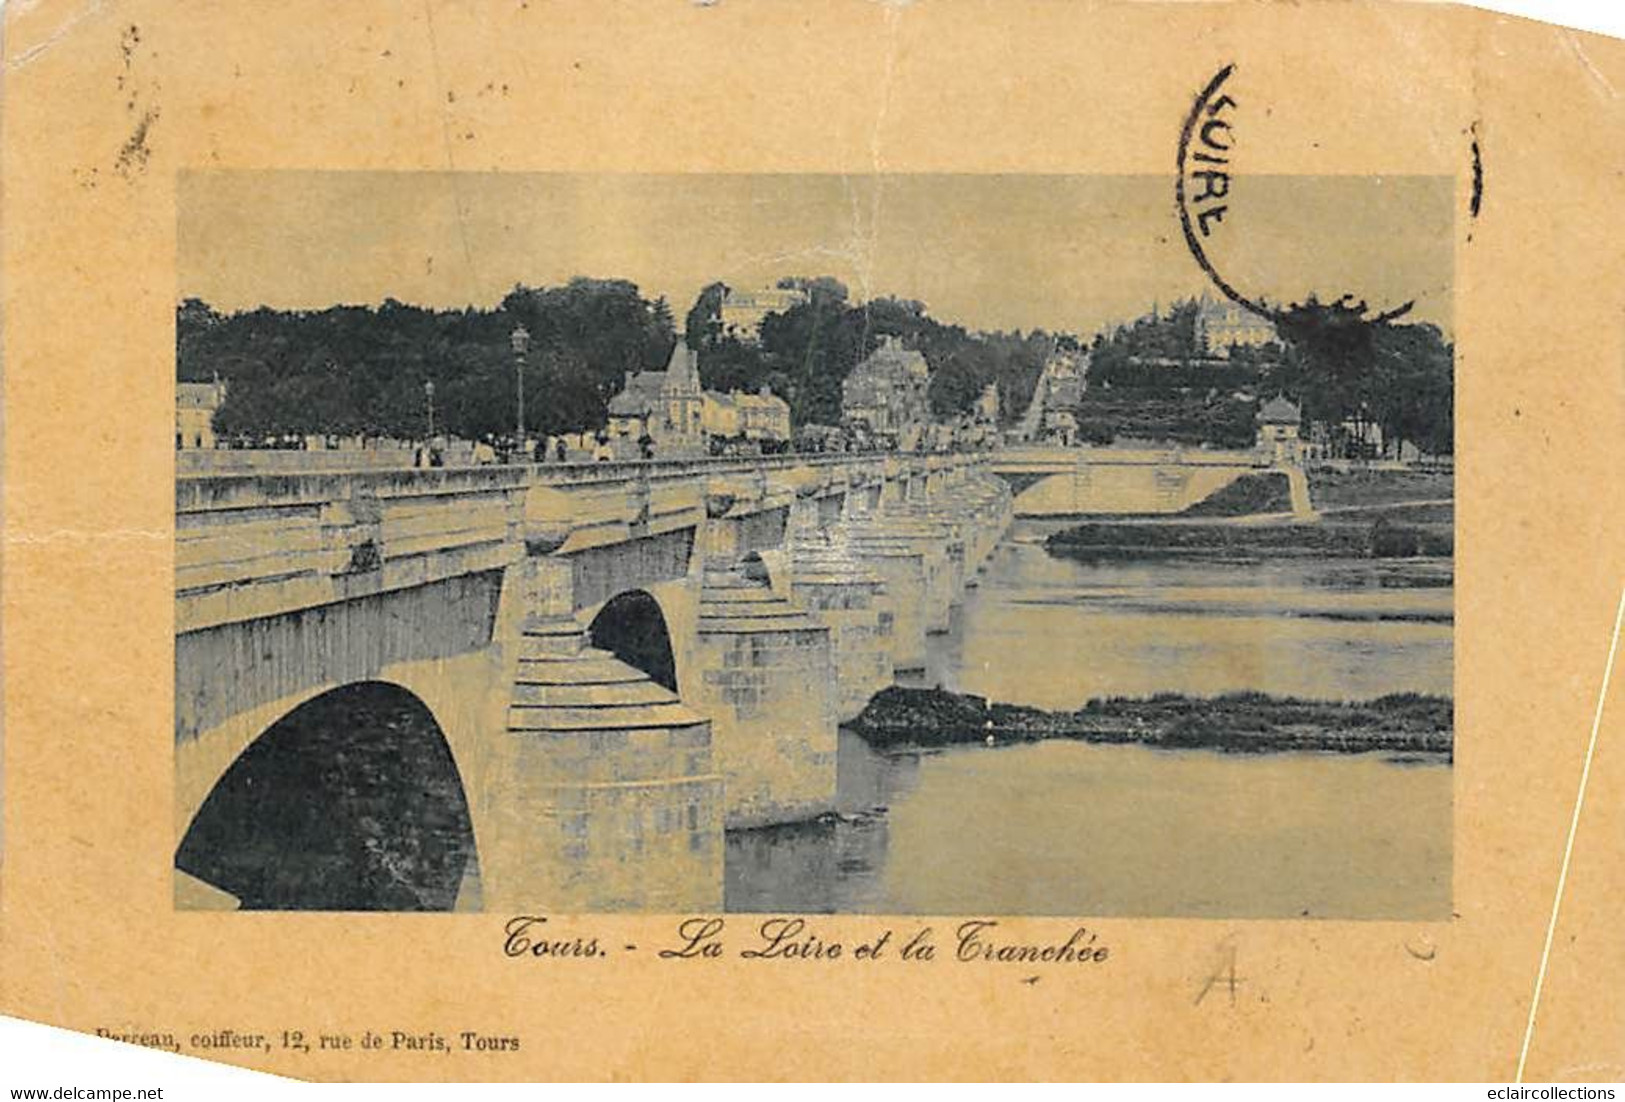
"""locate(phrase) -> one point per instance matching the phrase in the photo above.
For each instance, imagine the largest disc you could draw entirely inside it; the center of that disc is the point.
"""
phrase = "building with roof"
(764, 416)
(743, 311)
(1221, 324)
(667, 406)
(1279, 431)
(195, 407)
(721, 417)
(680, 418)
(886, 394)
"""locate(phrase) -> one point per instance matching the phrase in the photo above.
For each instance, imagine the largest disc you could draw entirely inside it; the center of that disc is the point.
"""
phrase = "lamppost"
(520, 339)
(428, 394)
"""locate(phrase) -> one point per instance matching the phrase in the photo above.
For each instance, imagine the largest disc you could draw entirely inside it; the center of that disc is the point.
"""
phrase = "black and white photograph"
(901, 544)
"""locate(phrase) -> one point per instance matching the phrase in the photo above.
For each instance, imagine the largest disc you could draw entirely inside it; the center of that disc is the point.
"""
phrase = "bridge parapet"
(600, 513)
(1056, 460)
(806, 481)
(743, 491)
(251, 545)
(248, 547)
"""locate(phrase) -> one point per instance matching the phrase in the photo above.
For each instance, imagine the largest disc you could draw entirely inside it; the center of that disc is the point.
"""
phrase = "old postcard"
(755, 540)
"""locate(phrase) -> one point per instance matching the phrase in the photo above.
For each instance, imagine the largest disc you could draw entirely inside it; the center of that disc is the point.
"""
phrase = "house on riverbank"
(1279, 431)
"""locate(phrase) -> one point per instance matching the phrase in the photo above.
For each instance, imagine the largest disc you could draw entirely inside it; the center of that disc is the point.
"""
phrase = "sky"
(1063, 253)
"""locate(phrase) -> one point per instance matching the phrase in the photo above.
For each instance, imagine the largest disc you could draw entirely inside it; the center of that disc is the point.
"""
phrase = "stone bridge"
(589, 671)
(1057, 482)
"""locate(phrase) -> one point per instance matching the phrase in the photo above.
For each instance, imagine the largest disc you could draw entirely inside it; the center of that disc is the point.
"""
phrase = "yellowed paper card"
(780, 541)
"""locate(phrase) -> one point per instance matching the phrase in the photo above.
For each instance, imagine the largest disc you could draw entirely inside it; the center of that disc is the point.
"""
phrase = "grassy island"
(1385, 538)
(1409, 723)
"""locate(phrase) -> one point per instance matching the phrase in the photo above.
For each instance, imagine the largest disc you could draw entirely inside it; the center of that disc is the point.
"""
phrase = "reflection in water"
(1341, 629)
(833, 864)
(1071, 828)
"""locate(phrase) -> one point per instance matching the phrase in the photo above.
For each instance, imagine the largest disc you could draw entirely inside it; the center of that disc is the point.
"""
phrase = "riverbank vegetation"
(1384, 538)
(1338, 489)
(1409, 723)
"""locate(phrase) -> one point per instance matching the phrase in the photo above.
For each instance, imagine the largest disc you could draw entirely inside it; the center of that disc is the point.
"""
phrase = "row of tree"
(361, 370)
(1349, 367)
(358, 370)
(376, 371)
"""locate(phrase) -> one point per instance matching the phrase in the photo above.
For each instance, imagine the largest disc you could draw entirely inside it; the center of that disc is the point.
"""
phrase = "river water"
(1069, 828)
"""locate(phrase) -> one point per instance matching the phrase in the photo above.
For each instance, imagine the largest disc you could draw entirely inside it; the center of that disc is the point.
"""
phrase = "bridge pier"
(925, 548)
(604, 794)
(862, 497)
(828, 581)
(765, 674)
(909, 527)
(979, 507)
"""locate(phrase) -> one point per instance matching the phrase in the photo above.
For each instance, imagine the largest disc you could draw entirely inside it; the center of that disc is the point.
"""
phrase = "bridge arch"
(632, 626)
(1114, 486)
(1018, 481)
(351, 801)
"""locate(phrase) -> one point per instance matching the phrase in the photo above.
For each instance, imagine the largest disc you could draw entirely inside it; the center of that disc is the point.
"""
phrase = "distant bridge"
(590, 670)
(1053, 481)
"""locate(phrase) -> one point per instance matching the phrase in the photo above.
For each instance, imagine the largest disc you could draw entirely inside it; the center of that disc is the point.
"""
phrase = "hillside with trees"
(364, 370)
(804, 353)
(1152, 378)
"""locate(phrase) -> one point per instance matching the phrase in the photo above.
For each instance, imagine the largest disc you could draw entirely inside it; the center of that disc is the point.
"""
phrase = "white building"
(743, 311)
(1279, 422)
(195, 407)
(1220, 324)
(886, 394)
